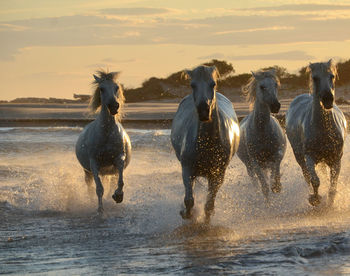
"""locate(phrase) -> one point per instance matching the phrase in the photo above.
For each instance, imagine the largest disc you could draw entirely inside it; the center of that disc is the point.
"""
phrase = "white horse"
(104, 148)
(263, 143)
(205, 136)
(316, 129)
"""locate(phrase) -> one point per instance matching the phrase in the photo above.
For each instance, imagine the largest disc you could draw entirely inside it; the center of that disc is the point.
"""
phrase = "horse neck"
(261, 114)
(211, 129)
(319, 116)
(105, 119)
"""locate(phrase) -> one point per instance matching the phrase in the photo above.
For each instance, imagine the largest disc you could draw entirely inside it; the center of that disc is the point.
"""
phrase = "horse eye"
(102, 89)
(331, 76)
(193, 85)
(212, 84)
(315, 79)
(263, 88)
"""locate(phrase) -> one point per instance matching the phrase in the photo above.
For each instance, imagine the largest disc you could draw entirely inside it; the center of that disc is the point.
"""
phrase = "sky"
(51, 48)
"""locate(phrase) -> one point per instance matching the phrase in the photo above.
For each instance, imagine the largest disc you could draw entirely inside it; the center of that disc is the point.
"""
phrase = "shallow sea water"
(48, 222)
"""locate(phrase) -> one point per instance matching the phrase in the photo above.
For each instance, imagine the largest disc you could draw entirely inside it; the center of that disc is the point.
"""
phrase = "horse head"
(203, 83)
(263, 88)
(107, 93)
(322, 80)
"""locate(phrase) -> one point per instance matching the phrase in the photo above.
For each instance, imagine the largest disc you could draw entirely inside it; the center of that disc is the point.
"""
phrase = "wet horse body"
(263, 142)
(205, 136)
(104, 148)
(316, 129)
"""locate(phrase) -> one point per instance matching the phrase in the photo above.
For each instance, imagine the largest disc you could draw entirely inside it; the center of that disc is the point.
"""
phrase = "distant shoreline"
(144, 115)
(143, 124)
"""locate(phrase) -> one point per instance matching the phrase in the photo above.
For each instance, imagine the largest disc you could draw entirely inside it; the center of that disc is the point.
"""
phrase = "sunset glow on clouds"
(51, 48)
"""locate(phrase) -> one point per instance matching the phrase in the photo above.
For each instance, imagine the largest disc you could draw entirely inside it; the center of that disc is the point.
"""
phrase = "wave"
(322, 247)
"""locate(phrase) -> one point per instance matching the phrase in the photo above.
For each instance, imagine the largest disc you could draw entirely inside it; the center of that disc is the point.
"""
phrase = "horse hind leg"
(118, 195)
(88, 180)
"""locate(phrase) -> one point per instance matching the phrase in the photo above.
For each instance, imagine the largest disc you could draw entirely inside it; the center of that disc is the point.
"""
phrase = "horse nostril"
(327, 100)
(275, 107)
(113, 108)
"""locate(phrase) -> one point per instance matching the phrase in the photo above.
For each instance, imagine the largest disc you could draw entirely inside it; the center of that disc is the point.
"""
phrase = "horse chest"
(107, 151)
(263, 147)
(211, 154)
(325, 145)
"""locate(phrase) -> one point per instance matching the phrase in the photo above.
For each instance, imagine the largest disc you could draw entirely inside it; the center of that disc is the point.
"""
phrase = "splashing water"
(49, 221)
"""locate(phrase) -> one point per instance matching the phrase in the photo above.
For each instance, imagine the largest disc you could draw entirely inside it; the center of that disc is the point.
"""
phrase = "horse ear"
(186, 74)
(253, 74)
(273, 71)
(97, 79)
(115, 74)
(309, 68)
(331, 63)
(215, 72)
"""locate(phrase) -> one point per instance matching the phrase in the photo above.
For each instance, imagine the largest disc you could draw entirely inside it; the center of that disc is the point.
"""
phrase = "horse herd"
(205, 134)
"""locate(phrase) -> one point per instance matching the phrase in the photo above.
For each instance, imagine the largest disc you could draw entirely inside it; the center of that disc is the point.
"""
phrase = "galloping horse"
(316, 129)
(205, 136)
(263, 143)
(104, 148)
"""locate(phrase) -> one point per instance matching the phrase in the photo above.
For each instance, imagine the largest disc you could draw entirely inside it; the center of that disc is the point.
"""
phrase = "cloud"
(92, 30)
(302, 7)
(289, 55)
(273, 28)
(109, 62)
(134, 11)
(213, 56)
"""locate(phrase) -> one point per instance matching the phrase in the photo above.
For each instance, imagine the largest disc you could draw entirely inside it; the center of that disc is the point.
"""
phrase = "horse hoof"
(189, 203)
(186, 214)
(118, 198)
(315, 200)
(276, 189)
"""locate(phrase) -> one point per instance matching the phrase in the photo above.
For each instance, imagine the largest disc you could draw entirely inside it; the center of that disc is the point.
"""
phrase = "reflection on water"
(49, 223)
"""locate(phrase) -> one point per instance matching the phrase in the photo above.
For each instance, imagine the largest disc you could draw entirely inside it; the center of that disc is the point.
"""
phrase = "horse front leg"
(214, 184)
(311, 175)
(119, 194)
(262, 178)
(188, 180)
(276, 177)
(252, 175)
(334, 171)
(99, 187)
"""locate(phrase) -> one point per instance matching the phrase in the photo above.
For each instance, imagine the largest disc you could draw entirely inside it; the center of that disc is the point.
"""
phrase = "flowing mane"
(249, 90)
(95, 101)
(316, 69)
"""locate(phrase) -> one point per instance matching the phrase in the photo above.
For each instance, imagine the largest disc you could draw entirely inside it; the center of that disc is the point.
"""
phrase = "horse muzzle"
(275, 107)
(328, 101)
(113, 108)
(204, 112)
